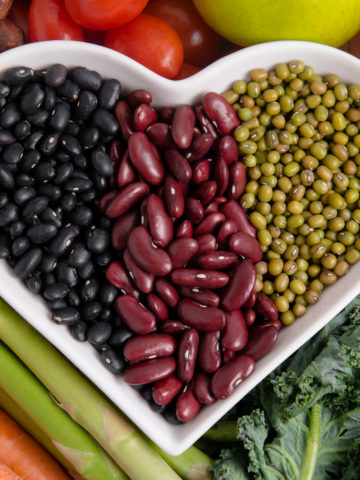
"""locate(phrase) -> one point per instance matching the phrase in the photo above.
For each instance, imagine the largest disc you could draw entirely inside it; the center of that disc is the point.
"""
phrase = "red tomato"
(186, 71)
(104, 14)
(149, 41)
(201, 44)
(49, 20)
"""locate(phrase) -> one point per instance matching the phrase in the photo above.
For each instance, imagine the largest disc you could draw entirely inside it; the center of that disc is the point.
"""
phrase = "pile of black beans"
(56, 126)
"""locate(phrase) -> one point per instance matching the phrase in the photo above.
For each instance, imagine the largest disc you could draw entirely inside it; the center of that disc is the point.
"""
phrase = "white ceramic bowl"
(217, 77)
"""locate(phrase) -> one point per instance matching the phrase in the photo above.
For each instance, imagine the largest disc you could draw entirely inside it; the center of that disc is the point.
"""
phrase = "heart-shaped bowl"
(217, 77)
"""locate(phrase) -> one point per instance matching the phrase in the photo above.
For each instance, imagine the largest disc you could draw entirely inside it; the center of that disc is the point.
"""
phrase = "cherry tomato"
(186, 71)
(49, 20)
(150, 41)
(201, 44)
(104, 14)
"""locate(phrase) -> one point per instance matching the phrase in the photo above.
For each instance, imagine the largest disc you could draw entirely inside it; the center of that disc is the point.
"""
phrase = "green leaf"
(230, 466)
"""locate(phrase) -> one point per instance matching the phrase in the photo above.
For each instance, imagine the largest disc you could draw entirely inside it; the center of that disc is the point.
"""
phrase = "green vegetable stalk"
(84, 403)
(76, 445)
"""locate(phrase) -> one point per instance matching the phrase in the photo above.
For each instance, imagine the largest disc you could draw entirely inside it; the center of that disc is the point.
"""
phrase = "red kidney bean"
(164, 391)
(182, 124)
(212, 207)
(228, 377)
(200, 317)
(178, 165)
(233, 211)
(122, 228)
(126, 198)
(265, 307)
(107, 199)
(143, 280)
(138, 97)
(157, 306)
(216, 260)
(209, 357)
(160, 134)
(228, 355)
(146, 255)
(261, 341)
(201, 172)
(221, 112)
(181, 251)
(161, 226)
(206, 125)
(228, 150)
(240, 287)
(166, 114)
(184, 229)
(199, 147)
(125, 173)
(227, 228)
(235, 335)
(245, 245)
(206, 191)
(119, 277)
(187, 354)
(207, 242)
(274, 323)
(203, 296)
(174, 197)
(144, 158)
(123, 114)
(115, 152)
(221, 173)
(187, 406)
(191, 277)
(249, 316)
(237, 181)
(143, 117)
(210, 223)
(250, 302)
(149, 371)
(173, 327)
(138, 318)
(145, 347)
(167, 292)
(194, 210)
(220, 200)
(201, 388)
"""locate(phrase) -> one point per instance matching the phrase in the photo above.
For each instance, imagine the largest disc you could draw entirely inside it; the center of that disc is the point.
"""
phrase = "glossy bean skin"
(138, 97)
(187, 406)
(174, 197)
(240, 287)
(209, 357)
(206, 125)
(178, 165)
(194, 210)
(265, 307)
(118, 276)
(161, 226)
(157, 306)
(201, 388)
(191, 277)
(261, 341)
(221, 173)
(137, 318)
(274, 323)
(145, 347)
(164, 391)
(228, 150)
(216, 260)
(143, 280)
(173, 327)
(181, 251)
(115, 153)
(126, 199)
(233, 211)
(149, 371)
(206, 191)
(182, 124)
(201, 318)
(228, 355)
(144, 116)
(151, 259)
(160, 134)
(167, 292)
(250, 302)
(220, 112)
(201, 172)
(210, 223)
(237, 181)
(122, 228)
(124, 117)
(144, 159)
(107, 199)
(235, 334)
(187, 354)
(126, 173)
(246, 246)
(207, 242)
(184, 229)
(228, 377)
(212, 207)
(200, 146)
(203, 296)
(249, 316)
(226, 229)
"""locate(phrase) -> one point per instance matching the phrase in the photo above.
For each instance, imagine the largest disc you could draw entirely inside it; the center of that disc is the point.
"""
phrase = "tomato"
(104, 14)
(150, 41)
(201, 44)
(186, 71)
(49, 20)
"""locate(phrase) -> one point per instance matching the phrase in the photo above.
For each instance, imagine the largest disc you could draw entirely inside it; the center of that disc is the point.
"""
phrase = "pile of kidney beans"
(127, 221)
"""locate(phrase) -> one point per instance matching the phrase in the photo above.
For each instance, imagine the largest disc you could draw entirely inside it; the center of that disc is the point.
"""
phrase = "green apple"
(246, 22)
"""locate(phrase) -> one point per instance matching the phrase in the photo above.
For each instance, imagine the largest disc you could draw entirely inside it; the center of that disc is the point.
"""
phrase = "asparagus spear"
(69, 438)
(84, 403)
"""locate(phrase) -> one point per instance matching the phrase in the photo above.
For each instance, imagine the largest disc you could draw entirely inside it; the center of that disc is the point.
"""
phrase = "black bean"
(66, 316)
(102, 163)
(9, 116)
(89, 290)
(105, 121)
(6, 137)
(156, 407)
(60, 116)
(146, 392)
(8, 214)
(49, 279)
(73, 128)
(62, 156)
(22, 129)
(29, 161)
(106, 315)
(7, 181)
(108, 293)
(55, 75)
(103, 259)
(11, 167)
(41, 233)
(78, 173)
(63, 172)
(4, 246)
(34, 283)
(50, 98)
(116, 321)
(15, 92)
(78, 331)
(73, 298)
(50, 190)
(28, 263)
(56, 304)
(12, 153)
(32, 140)
(99, 333)
(91, 310)
(39, 118)
(63, 240)
(48, 263)
(100, 182)
(86, 271)
(49, 143)
(80, 161)
(11, 261)
(119, 337)
(35, 206)
(24, 180)
(32, 98)
(98, 240)
(68, 91)
(17, 228)
(18, 75)
(19, 246)
(51, 216)
(109, 93)
(44, 171)
(79, 256)
(70, 144)
(89, 138)
(112, 361)
(171, 417)
(81, 215)
(89, 196)
(66, 274)
(78, 184)
(105, 222)
(2, 102)
(23, 195)
(68, 202)
(4, 199)
(56, 291)
(86, 79)
(4, 89)
(86, 104)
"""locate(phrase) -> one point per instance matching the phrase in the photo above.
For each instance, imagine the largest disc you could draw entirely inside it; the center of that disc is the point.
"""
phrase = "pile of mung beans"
(299, 140)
